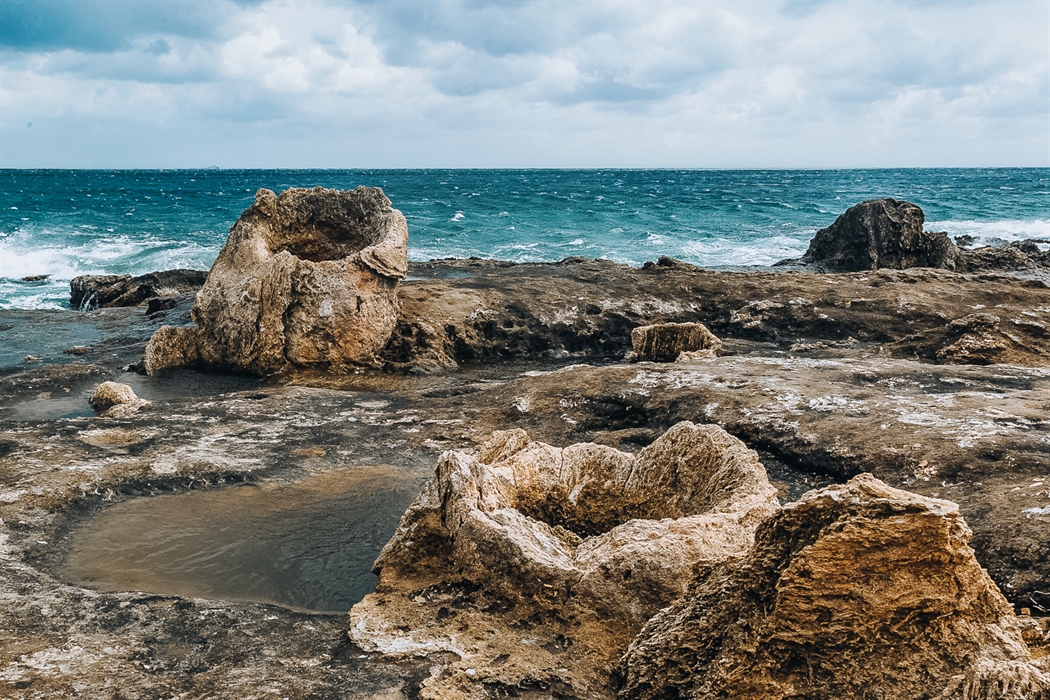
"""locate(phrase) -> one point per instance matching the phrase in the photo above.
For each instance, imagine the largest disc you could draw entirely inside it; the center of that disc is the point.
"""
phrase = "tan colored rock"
(115, 400)
(587, 541)
(306, 279)
(666, 342)
(855, 591)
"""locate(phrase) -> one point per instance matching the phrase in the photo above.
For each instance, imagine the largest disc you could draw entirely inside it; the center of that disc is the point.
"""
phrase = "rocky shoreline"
(933, 381)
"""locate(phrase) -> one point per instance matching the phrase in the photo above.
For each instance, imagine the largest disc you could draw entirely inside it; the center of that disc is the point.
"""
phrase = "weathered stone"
(115, 400)
(854, 591)
(97, 291)
(880, 233)
(665, 342)
(551, 531)
(1015, 255)
(306, 279)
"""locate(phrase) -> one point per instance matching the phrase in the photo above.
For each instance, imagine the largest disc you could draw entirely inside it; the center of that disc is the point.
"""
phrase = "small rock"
(78, 350)
(666, 342)
(110, 396)
(35, 278)
(31, 358)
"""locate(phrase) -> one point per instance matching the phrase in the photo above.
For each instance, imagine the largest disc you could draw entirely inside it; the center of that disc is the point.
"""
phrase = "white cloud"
(532, 84)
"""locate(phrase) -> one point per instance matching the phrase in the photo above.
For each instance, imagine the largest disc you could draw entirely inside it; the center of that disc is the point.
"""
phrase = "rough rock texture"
(858, 591)
(665, 342)
(818, 375)
(1015, 255)
(880, 233)
(89, 292)
(492, 311)
(581, 532)
(115, 400)
(305, 279)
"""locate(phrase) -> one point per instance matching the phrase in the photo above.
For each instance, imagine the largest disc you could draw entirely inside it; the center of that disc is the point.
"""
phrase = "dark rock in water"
(158, 304)
(78, 350)
(665, 342)
(306, 279)
(881, 233)
(852, 588)
(965, 240)
(35, 278)
(94, 291)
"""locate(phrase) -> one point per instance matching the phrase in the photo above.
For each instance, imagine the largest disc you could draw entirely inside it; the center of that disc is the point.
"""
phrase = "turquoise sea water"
(68, 223)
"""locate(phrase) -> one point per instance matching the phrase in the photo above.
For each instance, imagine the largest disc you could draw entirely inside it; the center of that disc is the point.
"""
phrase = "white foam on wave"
(61, 257)
(755, 251)
(989, 232)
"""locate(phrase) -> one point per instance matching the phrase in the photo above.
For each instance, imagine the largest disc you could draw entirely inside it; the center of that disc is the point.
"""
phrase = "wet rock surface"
(826, 376)
(307, 278)
(854, 591)
(89, 292)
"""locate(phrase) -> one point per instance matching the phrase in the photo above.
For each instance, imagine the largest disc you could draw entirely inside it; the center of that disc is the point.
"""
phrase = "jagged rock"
(305, 279)
(880, 233)
(984, 338)
(115, 400)
(665, 342)
(1016, 255)
(854, 591)
(98, 291)
(585, 533)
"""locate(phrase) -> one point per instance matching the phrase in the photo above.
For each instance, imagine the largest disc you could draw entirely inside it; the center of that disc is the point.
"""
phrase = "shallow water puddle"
(309, 545)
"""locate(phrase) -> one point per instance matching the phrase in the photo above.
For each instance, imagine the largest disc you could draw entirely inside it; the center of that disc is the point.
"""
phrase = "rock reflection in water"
(309, 545)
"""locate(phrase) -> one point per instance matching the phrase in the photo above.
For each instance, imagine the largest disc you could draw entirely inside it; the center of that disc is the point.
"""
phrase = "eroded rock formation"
(581, 544)
(880, 233)
(305, 279)
(665, 342)
(854, 591)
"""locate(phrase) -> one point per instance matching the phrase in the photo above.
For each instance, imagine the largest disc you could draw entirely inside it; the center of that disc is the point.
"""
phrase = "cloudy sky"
(135, 83)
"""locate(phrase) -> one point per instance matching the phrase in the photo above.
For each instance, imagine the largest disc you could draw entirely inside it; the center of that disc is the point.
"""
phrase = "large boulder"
(89, 292)
(306, 279)
(586, 541)
(880, 233)
(855, 591)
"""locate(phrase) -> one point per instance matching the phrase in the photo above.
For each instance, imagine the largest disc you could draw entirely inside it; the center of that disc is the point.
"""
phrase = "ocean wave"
(991, 232)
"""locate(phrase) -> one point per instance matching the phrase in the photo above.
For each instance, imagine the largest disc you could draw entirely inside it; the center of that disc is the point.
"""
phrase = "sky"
(436, 84)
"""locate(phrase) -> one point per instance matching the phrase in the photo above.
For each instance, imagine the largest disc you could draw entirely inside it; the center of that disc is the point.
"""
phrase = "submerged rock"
(115, 400)
(858, 591)
(665, 342)
(579, 536)
(99, 291)
(880, 233)
(305, 279)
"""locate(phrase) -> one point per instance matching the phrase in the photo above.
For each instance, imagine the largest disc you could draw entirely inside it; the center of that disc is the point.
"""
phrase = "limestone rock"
(880, 233)
(665, 342)
(96, 291)
(854, 591)
(584, 532)
(115, 400)
(305, 279)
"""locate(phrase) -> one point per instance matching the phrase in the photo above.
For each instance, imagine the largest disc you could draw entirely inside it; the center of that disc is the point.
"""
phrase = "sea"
(57, 224)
